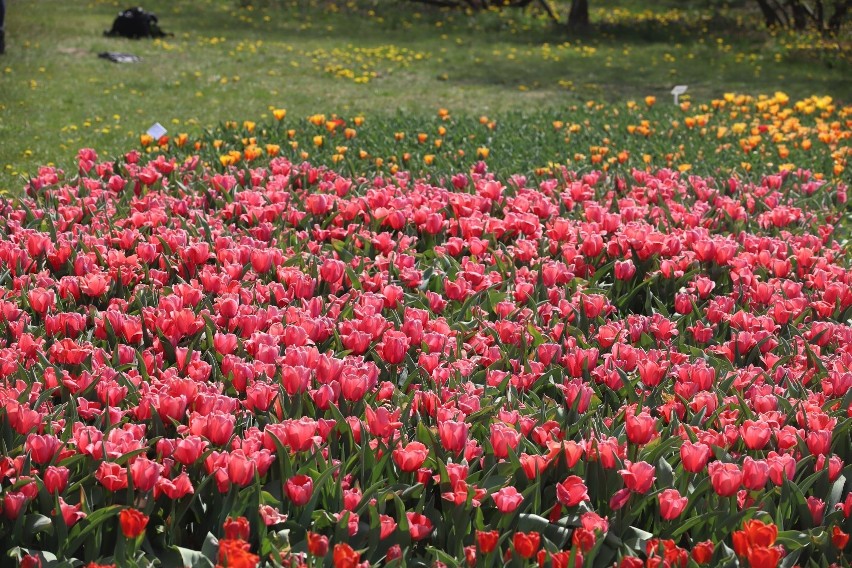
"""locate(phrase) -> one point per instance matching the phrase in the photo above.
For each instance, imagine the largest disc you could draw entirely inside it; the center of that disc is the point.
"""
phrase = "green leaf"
(443, 557)
(18, 553)
(793, 539)
(319, 482)
(210, 548)
(685, 526)
(635, 538)
(178, 556)
(78, 533)
(665, 475)
(557, 534)
(36, 523)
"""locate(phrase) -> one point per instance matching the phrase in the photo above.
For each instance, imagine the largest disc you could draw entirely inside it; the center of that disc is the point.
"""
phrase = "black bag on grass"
(135, 23)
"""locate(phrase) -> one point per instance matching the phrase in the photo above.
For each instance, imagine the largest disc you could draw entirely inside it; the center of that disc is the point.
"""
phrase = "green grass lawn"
(232, 61)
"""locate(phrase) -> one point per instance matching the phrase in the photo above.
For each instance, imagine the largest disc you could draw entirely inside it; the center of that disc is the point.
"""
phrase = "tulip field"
(614, 335)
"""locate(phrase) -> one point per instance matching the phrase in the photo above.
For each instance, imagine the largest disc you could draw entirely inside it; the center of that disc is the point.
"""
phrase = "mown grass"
(231, 60)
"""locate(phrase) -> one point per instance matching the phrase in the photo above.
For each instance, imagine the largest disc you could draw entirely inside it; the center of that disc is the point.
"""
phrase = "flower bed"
(280, 363)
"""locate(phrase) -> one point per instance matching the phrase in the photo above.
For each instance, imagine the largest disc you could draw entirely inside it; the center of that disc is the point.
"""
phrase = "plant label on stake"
(678, 91)
(156, 131)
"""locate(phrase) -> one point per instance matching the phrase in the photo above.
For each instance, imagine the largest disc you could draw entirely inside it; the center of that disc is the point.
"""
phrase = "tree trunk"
(770, 16)
(839, 15)
(800, 15)
(819, 16)
(578, 17)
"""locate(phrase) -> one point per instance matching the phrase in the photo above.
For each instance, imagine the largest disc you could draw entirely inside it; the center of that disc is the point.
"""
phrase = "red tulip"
(94, 284)
(300, 433)
(41, 300)
(578, 394)
(70, 513)
(387, 526)
(29, 561)
(694, 456)
(572, 491)
(419, 526)
(188, 450)
(317, 544)
(219, 427)
(132, 522)
(332, 270)
(507, 499)
(42, 449)
(755, 534)
(299, 489)
(755, 434)
(619, 499)
(638, 477)
(583, 539)
(14, 502)
(594, 522)
(296, 379)
(411, 457)
(55, 479)
(487, 540)
(702, 552)
(819, 442)
(763, 557)
(526, 543)
(112, 476)
(839, 539)
(353, 385)
(835, 466)
(533, 465)
(817, 508)
(145, 473)
(624, 270)
(236, 553)
(271, 516)
(236, 528)
(174, 489)
(453, 435)
(726, 478)
(470, 555)
(631, 562)
(382, 422)
(755, 473)
(671, 504)
(393, 347)
(345, 556)
(781, 466)
(640, 428)
(502, 438)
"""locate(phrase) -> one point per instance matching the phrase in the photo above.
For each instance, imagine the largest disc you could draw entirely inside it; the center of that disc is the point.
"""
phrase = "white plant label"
(156, 131)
